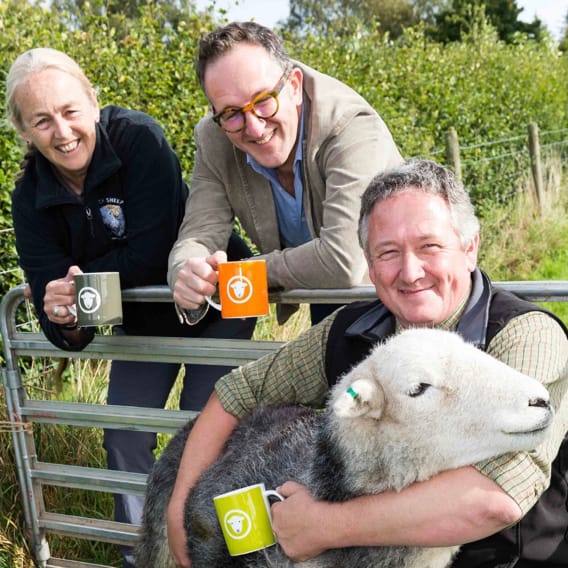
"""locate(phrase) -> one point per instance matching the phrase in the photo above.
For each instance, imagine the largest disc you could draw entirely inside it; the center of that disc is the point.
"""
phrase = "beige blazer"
(345, 144)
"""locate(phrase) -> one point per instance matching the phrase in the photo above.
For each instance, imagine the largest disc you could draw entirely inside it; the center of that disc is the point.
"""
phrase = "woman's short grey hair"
(427, 177)
(33, 61)
(221, 40)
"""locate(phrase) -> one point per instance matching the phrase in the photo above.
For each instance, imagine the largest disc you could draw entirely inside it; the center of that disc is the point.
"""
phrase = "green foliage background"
(487, 90)
(484, 88)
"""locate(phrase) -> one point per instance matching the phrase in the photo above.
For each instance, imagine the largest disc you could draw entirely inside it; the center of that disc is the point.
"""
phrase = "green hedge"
(483, 88)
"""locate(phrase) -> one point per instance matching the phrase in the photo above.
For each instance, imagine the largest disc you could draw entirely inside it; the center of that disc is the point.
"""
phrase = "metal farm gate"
(23, 411)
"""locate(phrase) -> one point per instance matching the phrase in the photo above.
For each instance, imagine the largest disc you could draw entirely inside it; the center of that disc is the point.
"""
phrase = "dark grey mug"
(99, 300)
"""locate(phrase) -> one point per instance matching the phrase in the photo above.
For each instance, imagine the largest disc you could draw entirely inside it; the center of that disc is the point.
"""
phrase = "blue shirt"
(292, 226)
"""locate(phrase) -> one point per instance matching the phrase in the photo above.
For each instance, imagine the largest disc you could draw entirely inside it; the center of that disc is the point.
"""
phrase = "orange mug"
(243, 289)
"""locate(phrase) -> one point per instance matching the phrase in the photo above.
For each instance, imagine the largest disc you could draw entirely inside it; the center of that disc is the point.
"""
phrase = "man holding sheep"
(420, 237)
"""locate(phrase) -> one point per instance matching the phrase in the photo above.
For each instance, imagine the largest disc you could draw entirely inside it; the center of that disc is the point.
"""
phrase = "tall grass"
(525, 240)
(518, 243)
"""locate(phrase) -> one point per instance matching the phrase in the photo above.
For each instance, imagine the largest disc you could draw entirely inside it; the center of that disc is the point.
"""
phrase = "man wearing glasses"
(286, 150)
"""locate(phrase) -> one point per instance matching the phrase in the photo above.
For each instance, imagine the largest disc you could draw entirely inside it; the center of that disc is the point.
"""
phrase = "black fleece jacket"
(126, 220)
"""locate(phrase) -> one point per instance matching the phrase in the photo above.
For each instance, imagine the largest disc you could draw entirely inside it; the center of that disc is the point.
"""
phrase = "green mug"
(244, 515)
(99, 299)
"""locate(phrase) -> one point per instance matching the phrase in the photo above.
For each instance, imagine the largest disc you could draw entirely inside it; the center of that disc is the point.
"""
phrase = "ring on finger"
(56, 310)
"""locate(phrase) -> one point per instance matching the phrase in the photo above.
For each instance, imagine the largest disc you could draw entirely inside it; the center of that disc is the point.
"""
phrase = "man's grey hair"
(427, 177)
(221, 40)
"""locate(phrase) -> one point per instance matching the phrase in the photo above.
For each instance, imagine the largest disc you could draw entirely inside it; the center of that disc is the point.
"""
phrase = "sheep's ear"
(364, 397)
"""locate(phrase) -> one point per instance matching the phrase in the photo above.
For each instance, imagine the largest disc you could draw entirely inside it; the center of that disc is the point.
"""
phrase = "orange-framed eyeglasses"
(264, 105)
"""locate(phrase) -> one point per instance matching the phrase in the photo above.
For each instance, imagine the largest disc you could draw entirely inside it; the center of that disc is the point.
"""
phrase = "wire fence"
(495, 171)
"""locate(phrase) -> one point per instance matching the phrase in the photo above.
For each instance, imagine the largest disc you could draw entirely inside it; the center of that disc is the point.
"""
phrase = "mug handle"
(272, 493)
(212, 303)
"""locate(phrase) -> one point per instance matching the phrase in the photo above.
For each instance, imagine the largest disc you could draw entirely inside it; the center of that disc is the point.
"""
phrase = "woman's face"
(58, 118)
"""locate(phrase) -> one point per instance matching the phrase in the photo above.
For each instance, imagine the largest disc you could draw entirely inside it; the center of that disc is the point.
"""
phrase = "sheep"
(423, 402)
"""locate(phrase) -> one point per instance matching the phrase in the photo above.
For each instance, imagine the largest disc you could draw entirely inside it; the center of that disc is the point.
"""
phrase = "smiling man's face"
(419, 267)
(239, 76)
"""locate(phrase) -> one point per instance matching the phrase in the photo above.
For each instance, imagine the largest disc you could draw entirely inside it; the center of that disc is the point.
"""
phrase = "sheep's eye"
(418, 389)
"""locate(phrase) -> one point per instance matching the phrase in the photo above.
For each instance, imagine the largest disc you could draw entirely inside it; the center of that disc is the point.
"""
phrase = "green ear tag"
(352, 393)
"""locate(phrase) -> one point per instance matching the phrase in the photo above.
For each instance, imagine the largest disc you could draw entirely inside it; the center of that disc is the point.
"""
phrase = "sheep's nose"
(540, 402)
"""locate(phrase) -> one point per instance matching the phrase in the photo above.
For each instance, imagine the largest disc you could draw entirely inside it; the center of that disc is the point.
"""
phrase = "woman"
(101, 190)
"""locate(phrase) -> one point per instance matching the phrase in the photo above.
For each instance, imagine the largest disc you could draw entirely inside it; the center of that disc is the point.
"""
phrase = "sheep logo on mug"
(237, 524)
(239, 289)
(89, 300)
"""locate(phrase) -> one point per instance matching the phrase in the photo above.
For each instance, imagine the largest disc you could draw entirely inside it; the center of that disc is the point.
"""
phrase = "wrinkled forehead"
(52, 86)
(421, 204)
(409, 216)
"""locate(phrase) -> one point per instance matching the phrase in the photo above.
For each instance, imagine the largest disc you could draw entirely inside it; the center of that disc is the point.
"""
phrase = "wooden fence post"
(453, 152)
(536, 165)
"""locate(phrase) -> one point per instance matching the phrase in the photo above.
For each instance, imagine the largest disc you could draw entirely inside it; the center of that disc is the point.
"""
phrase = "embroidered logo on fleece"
(113, 218)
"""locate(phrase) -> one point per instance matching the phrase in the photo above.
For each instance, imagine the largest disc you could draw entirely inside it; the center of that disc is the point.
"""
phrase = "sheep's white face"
(427, 392)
